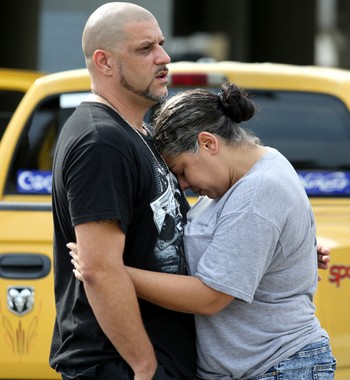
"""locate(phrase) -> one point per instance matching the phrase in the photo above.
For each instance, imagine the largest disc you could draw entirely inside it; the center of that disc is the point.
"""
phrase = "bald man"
(114, 196)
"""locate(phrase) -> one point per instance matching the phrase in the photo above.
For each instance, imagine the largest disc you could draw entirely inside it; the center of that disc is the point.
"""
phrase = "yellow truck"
(302, 111)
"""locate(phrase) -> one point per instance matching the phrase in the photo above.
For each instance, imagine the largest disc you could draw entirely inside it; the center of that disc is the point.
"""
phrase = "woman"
(250, 244)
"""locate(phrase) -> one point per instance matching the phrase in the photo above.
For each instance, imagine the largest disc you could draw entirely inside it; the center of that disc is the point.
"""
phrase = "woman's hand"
(75, 260)
(323, 257)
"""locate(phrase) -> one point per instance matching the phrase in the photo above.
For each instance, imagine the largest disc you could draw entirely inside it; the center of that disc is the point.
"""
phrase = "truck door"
(26, 279)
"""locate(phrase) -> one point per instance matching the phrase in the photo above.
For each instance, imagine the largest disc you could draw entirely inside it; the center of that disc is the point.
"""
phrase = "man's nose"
(163, 57)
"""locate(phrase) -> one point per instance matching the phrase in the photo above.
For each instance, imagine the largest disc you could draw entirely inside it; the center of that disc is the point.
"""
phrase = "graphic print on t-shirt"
(169, 253)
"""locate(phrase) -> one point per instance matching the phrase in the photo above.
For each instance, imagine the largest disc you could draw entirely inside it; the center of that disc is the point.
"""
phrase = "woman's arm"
(181, 293)
(186, 294)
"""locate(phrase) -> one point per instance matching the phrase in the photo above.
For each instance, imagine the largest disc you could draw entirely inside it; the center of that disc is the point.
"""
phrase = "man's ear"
(102, 61)
(208, 142)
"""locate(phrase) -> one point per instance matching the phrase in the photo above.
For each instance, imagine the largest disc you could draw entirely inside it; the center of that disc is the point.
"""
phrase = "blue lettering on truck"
(325, 183)
(34, 181)
(314, 182)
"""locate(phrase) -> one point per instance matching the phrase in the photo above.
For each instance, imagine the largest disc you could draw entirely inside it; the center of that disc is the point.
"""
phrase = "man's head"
(123, 45)
(105, 28)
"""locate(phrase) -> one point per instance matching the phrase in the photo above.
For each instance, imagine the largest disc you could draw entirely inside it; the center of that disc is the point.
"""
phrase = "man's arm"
(111, 294)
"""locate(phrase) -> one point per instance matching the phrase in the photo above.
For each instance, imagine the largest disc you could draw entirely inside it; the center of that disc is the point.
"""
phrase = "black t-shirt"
(103, 170)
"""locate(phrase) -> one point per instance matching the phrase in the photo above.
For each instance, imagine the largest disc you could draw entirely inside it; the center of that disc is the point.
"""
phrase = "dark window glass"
(8, 103)
(311, 130)
(30, 171)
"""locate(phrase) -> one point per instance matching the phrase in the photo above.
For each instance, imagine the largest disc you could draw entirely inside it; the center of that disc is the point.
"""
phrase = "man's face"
(142, 62)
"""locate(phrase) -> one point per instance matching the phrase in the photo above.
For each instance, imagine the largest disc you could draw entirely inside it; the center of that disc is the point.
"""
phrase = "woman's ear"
(102, 62)
(208, 142)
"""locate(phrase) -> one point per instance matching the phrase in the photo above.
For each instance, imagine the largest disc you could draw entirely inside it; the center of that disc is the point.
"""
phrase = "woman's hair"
(182, 117)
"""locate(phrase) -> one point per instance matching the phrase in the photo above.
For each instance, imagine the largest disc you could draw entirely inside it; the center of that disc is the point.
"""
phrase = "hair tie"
(222, 100)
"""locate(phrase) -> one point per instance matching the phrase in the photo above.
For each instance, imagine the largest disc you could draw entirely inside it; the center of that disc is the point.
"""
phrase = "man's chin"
(155, 99)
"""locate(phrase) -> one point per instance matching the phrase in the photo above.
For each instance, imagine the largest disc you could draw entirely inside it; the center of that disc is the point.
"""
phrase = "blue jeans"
(313, 362)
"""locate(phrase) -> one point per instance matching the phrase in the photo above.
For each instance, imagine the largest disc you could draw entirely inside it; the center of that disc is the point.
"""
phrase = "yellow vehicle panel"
(26, 221)
(16, 79)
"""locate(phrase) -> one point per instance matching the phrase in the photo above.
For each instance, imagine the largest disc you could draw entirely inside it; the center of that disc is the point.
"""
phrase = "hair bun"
(235, 103)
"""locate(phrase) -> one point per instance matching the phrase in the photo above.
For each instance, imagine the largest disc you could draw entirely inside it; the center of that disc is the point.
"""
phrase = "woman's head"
(182, 117)
(197, 133)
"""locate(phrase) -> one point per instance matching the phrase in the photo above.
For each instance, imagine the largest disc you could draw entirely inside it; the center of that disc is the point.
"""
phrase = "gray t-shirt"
(258, 244)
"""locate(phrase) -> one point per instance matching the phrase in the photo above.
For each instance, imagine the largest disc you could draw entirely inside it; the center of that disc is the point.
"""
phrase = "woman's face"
(199, 172)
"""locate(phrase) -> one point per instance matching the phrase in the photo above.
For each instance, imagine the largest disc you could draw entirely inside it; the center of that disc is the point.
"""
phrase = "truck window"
(313, 131)
(8, 103)
(30, 171)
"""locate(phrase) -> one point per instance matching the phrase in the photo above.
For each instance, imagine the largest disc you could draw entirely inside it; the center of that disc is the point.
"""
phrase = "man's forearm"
(114, 302)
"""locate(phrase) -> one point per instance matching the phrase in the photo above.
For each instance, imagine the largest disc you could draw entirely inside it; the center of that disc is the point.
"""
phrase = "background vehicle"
(13, 85)
(302, 111)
